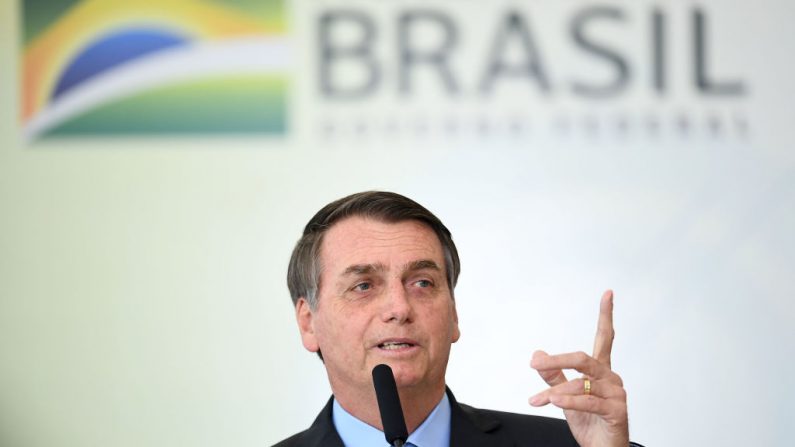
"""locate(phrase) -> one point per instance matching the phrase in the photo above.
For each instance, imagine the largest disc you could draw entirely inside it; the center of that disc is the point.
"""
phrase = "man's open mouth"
(391, 345)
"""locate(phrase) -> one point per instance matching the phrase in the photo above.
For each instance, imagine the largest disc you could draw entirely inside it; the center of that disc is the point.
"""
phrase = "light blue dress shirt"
(433, 432)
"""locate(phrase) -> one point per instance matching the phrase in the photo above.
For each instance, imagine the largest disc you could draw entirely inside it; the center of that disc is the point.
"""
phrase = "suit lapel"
(468, 428)
(322, 432)
(471, 428)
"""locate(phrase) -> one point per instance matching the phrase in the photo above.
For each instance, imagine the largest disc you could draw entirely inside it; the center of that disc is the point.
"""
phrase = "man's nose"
(397, 304)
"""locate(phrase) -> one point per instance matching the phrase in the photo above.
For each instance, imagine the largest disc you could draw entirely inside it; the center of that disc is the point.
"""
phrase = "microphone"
(389, 405)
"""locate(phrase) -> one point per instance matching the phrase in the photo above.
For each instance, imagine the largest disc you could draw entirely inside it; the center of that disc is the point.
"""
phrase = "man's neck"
(417, 404)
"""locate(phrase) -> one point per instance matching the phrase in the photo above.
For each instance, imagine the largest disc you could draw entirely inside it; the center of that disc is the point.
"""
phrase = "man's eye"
(424, 283)
(364, 286)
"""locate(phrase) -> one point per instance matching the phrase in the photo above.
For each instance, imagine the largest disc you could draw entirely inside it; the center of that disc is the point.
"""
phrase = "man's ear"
(304, 317)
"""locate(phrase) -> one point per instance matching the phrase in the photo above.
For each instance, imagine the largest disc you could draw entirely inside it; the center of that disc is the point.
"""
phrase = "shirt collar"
(433, 432)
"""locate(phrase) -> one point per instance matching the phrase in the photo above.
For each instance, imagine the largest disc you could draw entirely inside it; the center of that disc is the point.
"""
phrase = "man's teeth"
(394, 345)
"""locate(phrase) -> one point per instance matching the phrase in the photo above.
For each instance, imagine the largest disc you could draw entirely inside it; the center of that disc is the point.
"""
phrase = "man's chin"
(409, 373)
(408, 377)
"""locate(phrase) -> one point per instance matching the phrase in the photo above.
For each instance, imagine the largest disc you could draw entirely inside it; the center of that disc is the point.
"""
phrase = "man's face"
(383, 298)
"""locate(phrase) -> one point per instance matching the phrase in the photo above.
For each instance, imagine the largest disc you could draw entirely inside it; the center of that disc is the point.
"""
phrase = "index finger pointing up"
(603, 344)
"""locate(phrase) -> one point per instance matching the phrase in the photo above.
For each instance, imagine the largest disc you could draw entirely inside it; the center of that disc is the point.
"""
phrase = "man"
(372, 280)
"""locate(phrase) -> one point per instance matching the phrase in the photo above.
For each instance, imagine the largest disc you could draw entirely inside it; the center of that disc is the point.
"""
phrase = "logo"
(99, 67)
(547, 70)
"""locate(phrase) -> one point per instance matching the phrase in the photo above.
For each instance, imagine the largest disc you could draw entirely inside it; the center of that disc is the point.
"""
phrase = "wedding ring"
(586, 383)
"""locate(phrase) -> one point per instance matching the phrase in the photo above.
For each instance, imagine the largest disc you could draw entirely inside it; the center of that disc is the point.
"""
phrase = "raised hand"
(595, 405)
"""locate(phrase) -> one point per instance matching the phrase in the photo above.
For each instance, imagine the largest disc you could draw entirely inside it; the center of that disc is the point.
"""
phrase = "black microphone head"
(389, 404)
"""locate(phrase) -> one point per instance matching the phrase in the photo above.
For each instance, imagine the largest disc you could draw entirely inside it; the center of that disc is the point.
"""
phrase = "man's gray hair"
(303, 273)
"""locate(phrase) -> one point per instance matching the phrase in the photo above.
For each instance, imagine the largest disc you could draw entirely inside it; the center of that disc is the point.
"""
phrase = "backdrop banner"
(158, 161)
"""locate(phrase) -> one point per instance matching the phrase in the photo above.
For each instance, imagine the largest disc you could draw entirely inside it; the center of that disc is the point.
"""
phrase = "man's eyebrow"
(422, 264)
(366, 269)
(363, 269)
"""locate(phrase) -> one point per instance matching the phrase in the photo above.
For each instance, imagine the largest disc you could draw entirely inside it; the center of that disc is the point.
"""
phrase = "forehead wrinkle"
(389, 234)
(391, 239)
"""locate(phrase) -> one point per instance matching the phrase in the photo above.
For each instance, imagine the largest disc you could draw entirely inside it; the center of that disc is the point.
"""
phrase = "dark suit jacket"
(469, 427)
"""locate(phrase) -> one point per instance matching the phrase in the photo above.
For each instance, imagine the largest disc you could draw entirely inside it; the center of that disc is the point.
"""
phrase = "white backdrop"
(142, 291)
